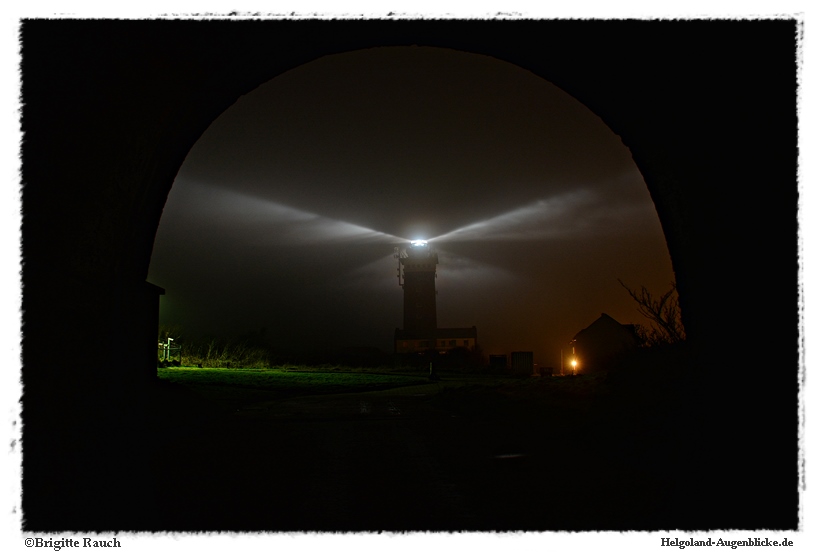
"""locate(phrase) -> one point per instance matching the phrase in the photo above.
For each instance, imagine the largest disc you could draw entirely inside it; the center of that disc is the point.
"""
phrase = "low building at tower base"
(441, 340)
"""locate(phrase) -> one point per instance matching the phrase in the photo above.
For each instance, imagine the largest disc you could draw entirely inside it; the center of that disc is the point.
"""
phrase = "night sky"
(285, 213)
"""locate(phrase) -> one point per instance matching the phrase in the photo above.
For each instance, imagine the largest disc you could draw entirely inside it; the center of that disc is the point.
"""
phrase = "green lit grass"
(240, 386)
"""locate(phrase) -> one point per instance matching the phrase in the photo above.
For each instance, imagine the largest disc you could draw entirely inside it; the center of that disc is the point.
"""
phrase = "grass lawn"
(233, 386)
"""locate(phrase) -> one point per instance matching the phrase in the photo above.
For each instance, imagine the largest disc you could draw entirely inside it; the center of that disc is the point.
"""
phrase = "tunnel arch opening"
(341, 159)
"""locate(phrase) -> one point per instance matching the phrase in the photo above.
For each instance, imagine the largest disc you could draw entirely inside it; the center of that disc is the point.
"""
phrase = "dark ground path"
(397, 461)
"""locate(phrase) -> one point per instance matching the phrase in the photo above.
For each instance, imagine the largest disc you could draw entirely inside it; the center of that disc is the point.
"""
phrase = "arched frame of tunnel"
(707, 109)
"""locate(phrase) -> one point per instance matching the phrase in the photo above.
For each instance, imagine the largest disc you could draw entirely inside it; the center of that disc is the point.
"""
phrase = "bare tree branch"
(662, 312)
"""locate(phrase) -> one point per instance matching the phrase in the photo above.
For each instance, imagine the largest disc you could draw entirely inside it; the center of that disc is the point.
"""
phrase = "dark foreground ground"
(528, 455)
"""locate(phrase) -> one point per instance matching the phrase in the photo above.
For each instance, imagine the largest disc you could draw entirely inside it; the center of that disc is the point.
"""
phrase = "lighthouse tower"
(417, 276)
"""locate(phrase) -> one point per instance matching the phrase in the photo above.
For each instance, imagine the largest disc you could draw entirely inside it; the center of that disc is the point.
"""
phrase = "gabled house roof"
(605, 324)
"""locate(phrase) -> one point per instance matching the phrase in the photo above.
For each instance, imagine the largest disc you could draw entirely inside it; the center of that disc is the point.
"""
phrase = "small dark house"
(597, 346)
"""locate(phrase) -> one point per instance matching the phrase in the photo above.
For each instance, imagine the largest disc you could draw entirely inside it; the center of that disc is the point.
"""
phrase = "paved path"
(387, 460)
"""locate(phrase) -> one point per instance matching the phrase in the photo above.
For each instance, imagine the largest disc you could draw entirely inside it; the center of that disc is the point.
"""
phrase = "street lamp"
(574, 364)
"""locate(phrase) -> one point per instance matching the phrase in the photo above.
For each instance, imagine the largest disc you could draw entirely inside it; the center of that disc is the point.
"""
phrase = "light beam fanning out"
(278, 223)
(545, 218)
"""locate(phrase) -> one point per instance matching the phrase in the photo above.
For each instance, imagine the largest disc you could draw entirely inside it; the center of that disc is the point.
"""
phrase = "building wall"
(601, 343)
(521, 363)
(440, 344)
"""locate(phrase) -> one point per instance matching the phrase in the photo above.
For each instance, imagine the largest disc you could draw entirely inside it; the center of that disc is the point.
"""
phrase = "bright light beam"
(284, 224)
(542, 219)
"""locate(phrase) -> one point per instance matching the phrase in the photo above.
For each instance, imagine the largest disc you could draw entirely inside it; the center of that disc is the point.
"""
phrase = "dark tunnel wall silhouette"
(708, 110)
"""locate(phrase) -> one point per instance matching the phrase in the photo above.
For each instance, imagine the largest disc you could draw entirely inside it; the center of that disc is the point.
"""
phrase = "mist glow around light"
(462, 271)
(379, 274)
